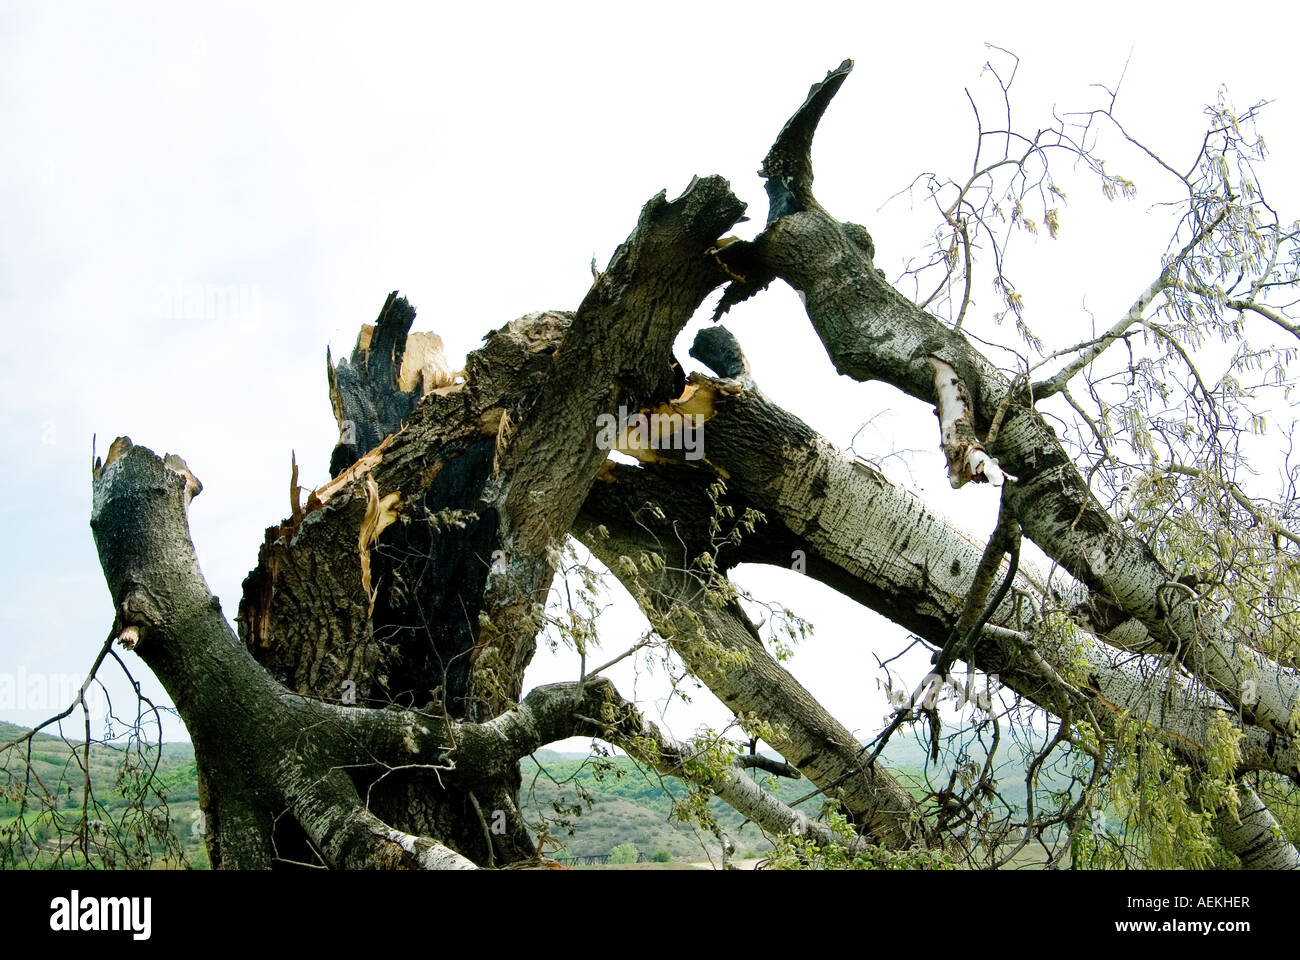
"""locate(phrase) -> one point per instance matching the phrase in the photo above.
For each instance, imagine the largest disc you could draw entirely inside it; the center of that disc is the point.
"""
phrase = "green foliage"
(1166, 810)
(801, 851)
(623, 853)
(1283, 798)
(1065, 635)
(139, 812)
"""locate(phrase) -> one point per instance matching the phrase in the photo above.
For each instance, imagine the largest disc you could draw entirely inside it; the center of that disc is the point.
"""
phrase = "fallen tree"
(370, 710)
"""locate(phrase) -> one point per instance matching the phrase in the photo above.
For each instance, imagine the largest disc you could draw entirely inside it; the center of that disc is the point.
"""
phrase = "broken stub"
(967, 458)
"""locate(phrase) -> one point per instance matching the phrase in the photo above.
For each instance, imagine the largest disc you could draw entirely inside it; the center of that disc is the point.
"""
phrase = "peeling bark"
(872, 332)
(415, 577)
(886, 550)
(877, 543)
(967, 458)
(267, 751)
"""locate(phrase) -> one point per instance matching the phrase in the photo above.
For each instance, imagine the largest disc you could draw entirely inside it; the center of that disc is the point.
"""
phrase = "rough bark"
(389, 372)
(880, 544)
(254, 740)
(416, 576)
(268, 752)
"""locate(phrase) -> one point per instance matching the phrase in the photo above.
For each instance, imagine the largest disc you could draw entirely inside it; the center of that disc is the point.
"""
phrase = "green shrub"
(623, 853)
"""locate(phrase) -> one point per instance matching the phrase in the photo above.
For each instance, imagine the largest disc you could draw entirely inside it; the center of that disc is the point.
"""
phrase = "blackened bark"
(370, 396)
(468, 494)
(413, 581)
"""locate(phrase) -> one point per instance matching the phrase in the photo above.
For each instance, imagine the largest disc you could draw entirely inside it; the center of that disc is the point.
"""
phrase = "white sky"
(308, 158)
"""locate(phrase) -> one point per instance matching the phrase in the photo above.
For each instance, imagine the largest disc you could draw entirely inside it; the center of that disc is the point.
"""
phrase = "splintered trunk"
(376, 597)
(408, 590)
(418, 575)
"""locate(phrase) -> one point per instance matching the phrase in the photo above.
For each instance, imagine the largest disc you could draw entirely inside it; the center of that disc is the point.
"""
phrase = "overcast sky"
(293, 163)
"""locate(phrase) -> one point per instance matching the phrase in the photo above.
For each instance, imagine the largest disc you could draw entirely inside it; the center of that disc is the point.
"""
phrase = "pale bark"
(1257, 839)
(872, 332)
(967, 458)
(913, 566)
(719, 645)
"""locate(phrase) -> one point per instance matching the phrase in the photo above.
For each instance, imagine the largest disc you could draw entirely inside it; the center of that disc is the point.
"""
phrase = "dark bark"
(416, 576)
(368, 394)
(268, 755)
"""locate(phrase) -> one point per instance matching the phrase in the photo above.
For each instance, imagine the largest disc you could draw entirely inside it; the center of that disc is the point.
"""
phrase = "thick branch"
(871, 332)
(787, 168)
(594, 708)
(879, 544)
(617, 351)
(263, 750)
(720, 646)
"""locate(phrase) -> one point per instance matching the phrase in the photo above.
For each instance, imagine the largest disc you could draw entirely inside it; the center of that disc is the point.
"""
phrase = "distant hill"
(586, 805)
(629, 805)
(36, 834)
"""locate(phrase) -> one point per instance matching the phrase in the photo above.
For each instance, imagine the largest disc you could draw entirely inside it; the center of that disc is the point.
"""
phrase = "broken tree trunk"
(371, 711)
(417, 576)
